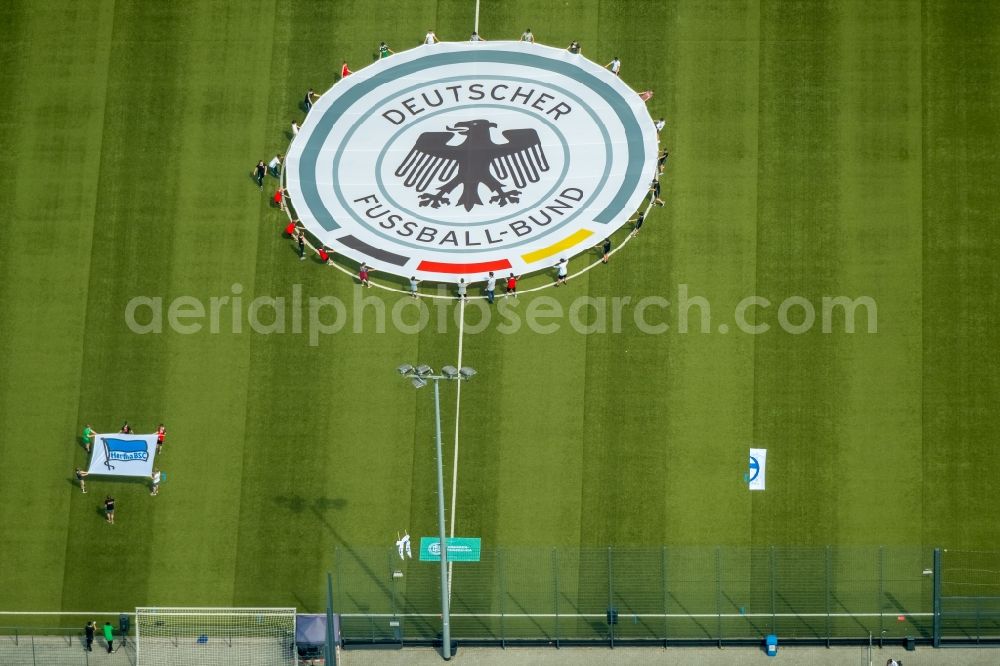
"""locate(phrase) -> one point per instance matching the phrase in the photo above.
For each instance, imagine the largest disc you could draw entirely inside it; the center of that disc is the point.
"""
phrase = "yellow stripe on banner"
(569, 241)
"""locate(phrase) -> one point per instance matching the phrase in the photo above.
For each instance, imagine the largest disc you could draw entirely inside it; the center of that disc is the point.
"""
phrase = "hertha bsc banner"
(122, 455)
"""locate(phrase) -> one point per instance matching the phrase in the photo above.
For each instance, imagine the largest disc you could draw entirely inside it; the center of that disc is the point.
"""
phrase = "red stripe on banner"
(442, 267)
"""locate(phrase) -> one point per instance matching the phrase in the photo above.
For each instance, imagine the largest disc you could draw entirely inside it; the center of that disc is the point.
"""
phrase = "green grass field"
(817, 149)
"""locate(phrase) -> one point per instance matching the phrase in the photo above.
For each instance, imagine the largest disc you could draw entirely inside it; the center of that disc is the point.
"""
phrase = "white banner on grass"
(758, 462)
(122, 455)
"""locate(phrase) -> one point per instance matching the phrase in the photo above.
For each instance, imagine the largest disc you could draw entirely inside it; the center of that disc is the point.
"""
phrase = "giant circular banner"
(451, 160)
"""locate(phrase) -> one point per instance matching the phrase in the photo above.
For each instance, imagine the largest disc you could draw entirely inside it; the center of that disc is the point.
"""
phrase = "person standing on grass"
(161, 435)
(109, 509)
(126, 429)
(88, 632)
(326, 256)
(605, 250)
(155, 485)
(384, 51)
(646, 95)
(309, 99)
(88, 436)
(413, 286)
(476, 38)
(526, 36)
(615, 66)
(562, 270)
(109, 635)
(301, 240)
(80, 474)
(659, 125)
(259, 172)
(638, 224)
(574, 47)
(275, 166)
(279, 198)
(654, 190)
(431, 38)
(491, 287)
(345, 70)
(511, 285)
(295, 129)
(462, 288)
(661, 160)
(363, 275)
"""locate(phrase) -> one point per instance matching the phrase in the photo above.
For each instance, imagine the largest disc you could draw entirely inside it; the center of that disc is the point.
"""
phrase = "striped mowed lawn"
(817, 149)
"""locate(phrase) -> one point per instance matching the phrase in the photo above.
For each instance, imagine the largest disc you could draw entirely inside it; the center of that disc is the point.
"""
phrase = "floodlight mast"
(419, 376)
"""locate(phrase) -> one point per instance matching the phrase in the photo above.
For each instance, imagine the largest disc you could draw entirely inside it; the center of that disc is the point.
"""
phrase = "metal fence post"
(774, 619)
(331, 648)
(828, 565)
(881, 593)
(503, 594)
(663, 578)
(718, 595)
(936, 586)
(555, 590)
(611, 602)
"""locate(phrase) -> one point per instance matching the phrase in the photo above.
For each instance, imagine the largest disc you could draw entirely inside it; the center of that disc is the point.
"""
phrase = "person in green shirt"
(109, 635)
(384, 51)
(88, 436)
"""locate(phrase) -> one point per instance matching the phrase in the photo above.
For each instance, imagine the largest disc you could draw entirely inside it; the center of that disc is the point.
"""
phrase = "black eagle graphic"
(475, 161)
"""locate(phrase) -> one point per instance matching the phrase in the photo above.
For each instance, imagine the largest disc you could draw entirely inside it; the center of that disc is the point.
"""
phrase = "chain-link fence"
(665, 595)
(969, 597)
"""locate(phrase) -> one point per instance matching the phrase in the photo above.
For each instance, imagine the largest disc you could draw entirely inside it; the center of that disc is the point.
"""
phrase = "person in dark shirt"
(89, 633)
(109, 509)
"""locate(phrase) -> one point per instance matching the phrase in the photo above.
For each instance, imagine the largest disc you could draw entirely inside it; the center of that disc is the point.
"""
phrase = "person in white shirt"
(295, 129)
(659, 125)
(476, 38)
(462, 288)
(491, 287)
(615, 65)
(413, 286)
(275, 166)
(431, 38)
(526, 36)
(156, 482)
(562, 269)
(403, 546)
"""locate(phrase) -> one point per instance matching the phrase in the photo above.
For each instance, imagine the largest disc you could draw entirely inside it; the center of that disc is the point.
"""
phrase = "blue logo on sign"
(754, 469)
(124, 450)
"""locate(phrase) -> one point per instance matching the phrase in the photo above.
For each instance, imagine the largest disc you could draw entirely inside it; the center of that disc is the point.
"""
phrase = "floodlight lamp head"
(424, 370)
(405, 369)
(467, 372)
(450, 371)
(418, 382)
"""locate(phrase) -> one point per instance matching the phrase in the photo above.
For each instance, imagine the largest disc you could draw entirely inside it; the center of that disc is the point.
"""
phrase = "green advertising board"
(460, 549)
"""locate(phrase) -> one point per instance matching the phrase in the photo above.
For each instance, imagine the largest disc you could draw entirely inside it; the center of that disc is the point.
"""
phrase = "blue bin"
(771, 644)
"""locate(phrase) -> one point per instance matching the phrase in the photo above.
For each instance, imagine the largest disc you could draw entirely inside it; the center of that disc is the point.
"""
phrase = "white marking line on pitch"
(458, 412)
(476, 27)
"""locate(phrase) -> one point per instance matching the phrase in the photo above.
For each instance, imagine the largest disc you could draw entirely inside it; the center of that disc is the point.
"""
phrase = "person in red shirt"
(279, 198)
(161, 434)
(363, 275)
(511, 285)
(290, 228)
(326, 256)
(345, 70)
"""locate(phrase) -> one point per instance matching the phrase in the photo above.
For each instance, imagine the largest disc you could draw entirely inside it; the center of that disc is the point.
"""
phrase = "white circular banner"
(452, 160)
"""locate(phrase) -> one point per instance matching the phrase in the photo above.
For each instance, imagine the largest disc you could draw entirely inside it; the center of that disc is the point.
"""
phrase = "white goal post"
(215, 636)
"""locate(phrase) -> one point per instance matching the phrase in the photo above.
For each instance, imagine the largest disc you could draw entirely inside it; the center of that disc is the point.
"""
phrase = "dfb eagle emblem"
(475, 161)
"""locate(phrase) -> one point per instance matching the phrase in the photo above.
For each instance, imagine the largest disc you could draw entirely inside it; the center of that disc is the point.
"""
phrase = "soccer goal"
(215, 636)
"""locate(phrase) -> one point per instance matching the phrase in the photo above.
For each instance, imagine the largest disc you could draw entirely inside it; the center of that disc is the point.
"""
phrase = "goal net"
(215, 636)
